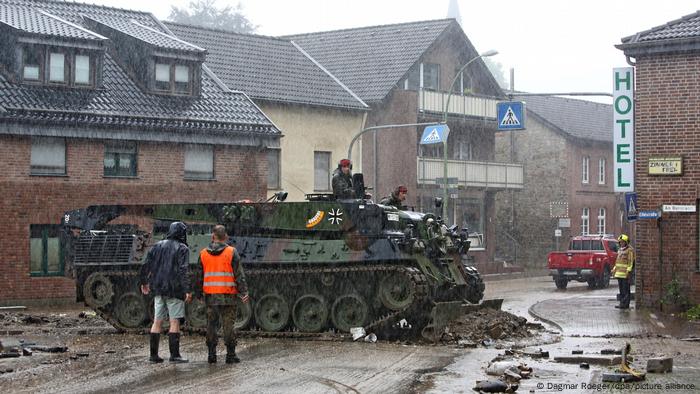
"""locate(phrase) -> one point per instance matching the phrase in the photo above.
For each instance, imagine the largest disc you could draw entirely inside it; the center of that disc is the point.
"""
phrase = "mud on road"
(99, 359)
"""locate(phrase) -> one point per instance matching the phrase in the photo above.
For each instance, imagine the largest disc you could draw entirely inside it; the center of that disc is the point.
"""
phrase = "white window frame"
(601, 220)
(322, 174)
(57, 67)
(198, 159)
(48, 156)
(78, 69)
(584, 169)
(585, 221)
(601, 171)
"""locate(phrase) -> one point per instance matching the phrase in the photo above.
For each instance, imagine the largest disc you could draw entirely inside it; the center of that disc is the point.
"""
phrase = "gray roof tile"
(266, 68)
(121, 102)
(685, 27)
(37, 21)
(145, 33)
(577, 118)
(371, 60)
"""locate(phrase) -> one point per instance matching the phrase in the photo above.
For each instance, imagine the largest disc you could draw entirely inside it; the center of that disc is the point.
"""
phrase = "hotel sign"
(665, 166)
(623, 129)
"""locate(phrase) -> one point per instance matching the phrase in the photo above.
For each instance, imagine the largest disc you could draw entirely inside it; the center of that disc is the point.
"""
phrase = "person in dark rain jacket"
(164, 274)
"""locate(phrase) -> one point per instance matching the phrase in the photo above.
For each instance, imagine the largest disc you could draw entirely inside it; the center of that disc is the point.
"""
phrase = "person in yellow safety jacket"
(222, 279)
(624, 264)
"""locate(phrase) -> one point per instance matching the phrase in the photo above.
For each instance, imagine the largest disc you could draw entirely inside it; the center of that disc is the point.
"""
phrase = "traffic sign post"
(436, 134)
(511, 115)
(631, 206)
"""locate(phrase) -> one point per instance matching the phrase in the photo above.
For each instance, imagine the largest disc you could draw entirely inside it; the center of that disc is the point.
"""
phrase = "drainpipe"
(659, 224)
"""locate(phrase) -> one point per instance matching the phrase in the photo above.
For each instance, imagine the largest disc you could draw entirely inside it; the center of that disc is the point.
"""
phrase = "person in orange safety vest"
(223, 280)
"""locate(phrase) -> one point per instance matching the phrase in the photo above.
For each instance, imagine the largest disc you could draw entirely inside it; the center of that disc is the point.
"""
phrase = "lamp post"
(444, 120)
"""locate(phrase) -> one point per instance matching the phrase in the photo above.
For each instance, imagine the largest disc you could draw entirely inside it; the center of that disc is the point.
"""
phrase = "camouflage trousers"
(221, 315)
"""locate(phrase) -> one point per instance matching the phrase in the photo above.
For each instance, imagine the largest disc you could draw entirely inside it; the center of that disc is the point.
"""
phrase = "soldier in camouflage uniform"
(223, 280)
(398, 196)
(342, 181)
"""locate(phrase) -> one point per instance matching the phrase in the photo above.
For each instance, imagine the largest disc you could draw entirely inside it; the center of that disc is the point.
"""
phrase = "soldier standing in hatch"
(342, 181)
(223, 281)
(623, 267)
(398, 196)
(165, 275)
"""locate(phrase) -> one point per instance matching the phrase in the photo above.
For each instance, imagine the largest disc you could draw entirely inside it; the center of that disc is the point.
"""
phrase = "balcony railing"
(471, 173)
(467, 105)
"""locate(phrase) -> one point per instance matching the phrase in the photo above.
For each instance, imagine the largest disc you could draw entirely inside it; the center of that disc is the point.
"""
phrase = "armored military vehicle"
(315, 266)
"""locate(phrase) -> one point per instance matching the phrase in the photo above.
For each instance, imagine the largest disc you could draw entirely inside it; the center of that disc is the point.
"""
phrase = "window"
(584, 169)
(45, 251)
(31, 69)
(273, 169)
(199, 162)
(48, 156)
(413, 80)
(463, 150)
(431, 76)
(463, 84)
(322, 171)
(82, 70)
(601, 221)
(601, 171)
(584, 221)
(182, 79)
(57, 67)
(162, 76)
(613, 246)
(472, 219)
(120, 159)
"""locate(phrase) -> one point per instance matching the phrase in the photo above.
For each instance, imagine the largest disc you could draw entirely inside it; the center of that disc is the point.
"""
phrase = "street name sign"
(436, 134)
(511, 115)
(678, 208)
(649, 214)
(666, 166)
(565, 222)
(623, 129)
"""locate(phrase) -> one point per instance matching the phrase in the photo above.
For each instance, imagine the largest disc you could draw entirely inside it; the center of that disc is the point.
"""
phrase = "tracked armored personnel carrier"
(315, 266)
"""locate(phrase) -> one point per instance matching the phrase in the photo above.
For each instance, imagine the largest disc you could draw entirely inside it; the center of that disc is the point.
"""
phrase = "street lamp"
(444, 120)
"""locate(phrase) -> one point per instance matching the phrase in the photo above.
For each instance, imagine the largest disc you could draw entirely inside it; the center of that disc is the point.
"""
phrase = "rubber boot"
(231, 355)
(212, 353)
(174, 342)
(155, 341)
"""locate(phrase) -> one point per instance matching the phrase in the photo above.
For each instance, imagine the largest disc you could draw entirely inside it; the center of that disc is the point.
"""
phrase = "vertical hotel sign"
(623, 128)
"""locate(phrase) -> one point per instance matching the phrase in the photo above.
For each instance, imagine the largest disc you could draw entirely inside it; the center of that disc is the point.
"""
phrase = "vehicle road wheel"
(561, 283)
(244, 314)
(197, 313)
(396, 291)
(592, 283)
(131, 310)
(349, 311)
(310, 313)
(98, 290)
(272, 312)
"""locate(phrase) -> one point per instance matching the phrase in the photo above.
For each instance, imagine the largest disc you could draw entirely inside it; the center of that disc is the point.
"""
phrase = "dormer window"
(173, 78)
(83, 74)
(31, 67)
(57, 67)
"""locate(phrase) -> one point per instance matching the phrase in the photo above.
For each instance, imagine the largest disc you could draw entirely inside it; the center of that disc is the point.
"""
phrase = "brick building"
(103, 106)
(666, 60)
(404, 72)
(568, 163)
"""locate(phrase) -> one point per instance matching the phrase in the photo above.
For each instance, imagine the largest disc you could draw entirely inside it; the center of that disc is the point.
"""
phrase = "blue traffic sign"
(631, 206)
(511, 115)
(435, 134)
(649, 214)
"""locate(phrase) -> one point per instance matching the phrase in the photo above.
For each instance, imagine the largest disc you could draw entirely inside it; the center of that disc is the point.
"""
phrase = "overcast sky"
(553, 45)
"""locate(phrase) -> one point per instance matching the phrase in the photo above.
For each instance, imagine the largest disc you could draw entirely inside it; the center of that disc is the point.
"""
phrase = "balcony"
(471, 173)
(467, 105)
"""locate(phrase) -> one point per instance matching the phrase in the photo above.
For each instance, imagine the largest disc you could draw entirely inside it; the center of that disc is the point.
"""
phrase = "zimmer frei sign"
(623, 128)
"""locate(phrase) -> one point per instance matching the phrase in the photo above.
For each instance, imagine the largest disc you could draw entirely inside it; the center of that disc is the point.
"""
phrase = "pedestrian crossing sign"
(511, 115)
(435, 134)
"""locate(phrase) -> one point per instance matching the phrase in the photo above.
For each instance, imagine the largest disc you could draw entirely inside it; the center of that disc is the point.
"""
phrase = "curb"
(531, 311)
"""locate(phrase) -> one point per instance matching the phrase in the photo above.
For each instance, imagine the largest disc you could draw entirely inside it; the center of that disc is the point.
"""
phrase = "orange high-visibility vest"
(218, 273)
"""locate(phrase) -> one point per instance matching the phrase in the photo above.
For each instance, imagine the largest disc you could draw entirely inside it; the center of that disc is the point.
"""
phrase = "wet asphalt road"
(276, 366)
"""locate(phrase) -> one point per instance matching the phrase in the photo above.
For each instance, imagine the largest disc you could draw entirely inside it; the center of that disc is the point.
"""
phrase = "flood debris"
(617, 377)
(536, 353)
(577, 352)
(588, 359)
(660, 365)
(50, 349)
(357, 333)
(611, 351)
(585, 366)
(495, 386)
(486, 326)
(6, 370)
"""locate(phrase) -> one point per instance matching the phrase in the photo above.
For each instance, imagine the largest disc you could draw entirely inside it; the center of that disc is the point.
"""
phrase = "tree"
(496, 69)
(205, 13)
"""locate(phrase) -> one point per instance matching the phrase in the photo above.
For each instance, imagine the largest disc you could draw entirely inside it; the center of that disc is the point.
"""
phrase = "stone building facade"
(666, 60)
(567, 154)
